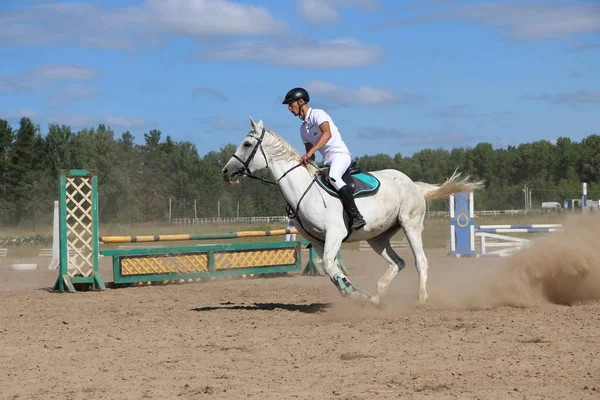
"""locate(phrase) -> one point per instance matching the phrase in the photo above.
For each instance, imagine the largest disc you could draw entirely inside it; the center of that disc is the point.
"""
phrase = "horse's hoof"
(343, 285)
(375, 301)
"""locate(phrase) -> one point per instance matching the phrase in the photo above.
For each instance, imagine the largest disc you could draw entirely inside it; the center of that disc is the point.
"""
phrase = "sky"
(395, 76)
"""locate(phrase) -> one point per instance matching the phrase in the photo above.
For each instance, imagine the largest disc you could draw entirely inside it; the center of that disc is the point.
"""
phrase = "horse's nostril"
(224, 170)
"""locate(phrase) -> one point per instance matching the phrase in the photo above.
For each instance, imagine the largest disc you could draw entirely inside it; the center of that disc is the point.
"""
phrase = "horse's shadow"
(303, 308)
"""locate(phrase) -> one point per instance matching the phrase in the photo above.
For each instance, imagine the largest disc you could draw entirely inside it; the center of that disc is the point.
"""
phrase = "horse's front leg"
(333, 242)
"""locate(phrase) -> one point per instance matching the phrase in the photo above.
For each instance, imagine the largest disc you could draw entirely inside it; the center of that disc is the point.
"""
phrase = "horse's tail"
(455, 184)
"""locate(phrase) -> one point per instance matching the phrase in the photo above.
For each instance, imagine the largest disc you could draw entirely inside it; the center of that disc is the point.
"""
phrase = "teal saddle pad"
(363, 183)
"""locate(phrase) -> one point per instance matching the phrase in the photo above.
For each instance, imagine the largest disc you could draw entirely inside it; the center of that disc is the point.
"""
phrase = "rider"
(318, 132)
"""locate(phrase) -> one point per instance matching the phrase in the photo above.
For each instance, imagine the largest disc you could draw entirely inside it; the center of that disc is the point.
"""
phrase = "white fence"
(48, 253)
(281, 218)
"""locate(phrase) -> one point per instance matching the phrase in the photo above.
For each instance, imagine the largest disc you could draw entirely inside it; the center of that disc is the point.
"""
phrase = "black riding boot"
(357, 220)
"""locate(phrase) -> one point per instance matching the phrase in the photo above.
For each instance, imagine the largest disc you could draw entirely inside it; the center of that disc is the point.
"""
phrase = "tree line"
(136, 181)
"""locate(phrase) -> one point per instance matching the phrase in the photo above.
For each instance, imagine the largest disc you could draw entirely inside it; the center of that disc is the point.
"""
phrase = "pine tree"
(20, 168)
(6, 141)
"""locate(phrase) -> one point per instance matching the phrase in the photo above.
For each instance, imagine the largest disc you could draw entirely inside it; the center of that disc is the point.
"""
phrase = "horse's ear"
(256, 126)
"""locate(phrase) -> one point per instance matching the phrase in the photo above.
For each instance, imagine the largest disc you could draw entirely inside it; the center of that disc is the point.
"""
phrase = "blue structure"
(462, 228)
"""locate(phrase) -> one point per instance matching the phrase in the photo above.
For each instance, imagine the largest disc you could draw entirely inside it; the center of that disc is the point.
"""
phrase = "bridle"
(244, 170)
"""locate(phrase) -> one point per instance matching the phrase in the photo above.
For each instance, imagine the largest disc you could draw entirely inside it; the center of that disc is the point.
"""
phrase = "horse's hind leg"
(413, 228)
(382, 246)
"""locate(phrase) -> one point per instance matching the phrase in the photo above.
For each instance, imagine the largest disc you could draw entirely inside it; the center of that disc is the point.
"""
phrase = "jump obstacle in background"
(77, 241)
(464, 233)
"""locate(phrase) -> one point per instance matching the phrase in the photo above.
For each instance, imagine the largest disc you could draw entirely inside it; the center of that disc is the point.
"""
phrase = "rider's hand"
(304, 159)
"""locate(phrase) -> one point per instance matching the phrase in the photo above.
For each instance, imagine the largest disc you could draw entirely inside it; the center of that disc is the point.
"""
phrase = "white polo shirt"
(311, 132)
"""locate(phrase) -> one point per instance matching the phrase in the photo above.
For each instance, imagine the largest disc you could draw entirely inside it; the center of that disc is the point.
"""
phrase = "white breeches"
(338, 164)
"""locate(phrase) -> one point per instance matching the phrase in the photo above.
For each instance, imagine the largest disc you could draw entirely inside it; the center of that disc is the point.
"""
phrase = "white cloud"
(220, 125)
(364, 95)
(320, 11)
(455, 111)
(74, 92)
(87, 121)
(448, 134)
(535, 20)
(63, 72)
(74, 121)
(570, 98)
(55, 23)
(316, 11)
(211, 17)
(17, 115)
(122, 28)
(365, 5)
(304, 53)
(458, 111)
(64, 95)
(122, 122)
(422, 4)
(212, 91)
(585, 71)
(583, 47)
(39, 78)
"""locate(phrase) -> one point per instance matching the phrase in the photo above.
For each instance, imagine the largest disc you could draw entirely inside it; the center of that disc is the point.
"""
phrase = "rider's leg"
(337, 167)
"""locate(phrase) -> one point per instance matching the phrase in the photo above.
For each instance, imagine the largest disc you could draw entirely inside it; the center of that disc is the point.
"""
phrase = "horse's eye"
(247, 144)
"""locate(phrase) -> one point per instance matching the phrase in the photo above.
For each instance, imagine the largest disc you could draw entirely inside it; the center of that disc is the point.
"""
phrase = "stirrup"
(354, 227)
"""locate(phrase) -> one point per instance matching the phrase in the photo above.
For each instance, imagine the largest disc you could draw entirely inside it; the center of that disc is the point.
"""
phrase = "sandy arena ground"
(524, 327)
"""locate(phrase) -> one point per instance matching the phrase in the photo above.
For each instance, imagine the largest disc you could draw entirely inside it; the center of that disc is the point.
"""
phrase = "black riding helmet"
(296, 94)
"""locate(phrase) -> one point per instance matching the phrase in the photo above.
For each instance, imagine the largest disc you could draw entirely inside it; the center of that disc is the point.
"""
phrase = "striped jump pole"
(195, 236)
(519, 228)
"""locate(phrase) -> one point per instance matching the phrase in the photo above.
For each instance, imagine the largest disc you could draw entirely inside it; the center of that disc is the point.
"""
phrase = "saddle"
(363, 184)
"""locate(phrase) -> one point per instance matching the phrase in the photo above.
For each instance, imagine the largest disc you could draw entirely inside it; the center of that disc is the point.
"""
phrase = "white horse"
(398, 204)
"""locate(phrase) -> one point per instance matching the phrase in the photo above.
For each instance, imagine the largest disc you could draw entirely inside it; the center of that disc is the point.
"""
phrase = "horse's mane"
(284, 151)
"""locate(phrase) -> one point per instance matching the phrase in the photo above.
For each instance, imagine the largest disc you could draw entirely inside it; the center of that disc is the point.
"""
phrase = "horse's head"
(248, 157)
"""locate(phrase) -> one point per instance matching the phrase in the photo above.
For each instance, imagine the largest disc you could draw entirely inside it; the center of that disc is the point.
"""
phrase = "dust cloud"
(560, 268)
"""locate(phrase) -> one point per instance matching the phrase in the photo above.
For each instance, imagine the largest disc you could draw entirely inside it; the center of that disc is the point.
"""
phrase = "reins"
(245, 171)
